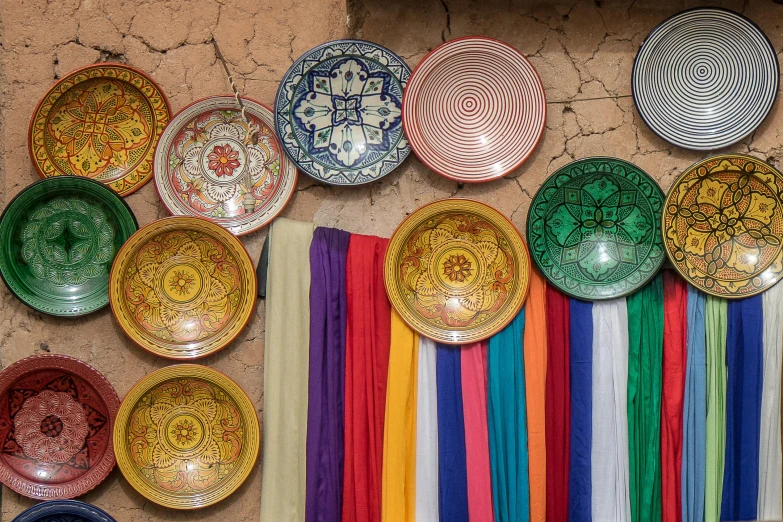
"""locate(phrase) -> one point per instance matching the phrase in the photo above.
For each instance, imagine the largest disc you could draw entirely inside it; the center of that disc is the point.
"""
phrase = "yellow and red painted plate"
(103, 122)
(723, 223)
(182, 287)
(186, 436)
(457, 271)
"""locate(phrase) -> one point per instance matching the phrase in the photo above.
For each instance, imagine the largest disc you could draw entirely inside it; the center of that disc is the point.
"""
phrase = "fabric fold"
(507, 423)
(427, 434)
(715, 335)
(286, 372)
(474, 406)
(452, 465)
(326, 407)
(535, 358)
(695, 411)
(745, 358)
(675, 361)
(579, 478)
(609, 454)
(398, 501)
(367, 342)
(770, 501)
(558, 405)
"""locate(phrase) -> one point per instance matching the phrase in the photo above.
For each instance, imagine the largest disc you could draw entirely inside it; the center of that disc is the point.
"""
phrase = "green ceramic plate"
(58, 238)
(594, 228)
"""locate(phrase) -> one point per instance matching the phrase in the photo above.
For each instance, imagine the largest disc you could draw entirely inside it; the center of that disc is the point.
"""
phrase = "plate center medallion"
(183, 283)
(223, 160)
(456, 268)
(185, 432)
(51, 427)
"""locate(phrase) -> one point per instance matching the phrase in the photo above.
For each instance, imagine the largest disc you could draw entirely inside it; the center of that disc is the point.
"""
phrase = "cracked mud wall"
(583, 50)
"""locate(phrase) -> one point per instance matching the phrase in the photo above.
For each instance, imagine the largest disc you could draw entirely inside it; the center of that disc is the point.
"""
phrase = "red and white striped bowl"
(474, 109)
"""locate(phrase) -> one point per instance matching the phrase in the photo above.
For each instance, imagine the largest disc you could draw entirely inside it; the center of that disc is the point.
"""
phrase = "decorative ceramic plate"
(102, 122)
(58, 238)
(207, 166)
(705, 78)
(474, 109)
(593, 228)
(56, 420)
(723, 223)
(64, 511)
(457, 271)
(182, 287)
(187, 436)
(337, 112)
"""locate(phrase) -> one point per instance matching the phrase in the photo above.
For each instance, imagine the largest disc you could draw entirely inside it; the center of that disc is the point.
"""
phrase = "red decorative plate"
(474, 109)
(56, 420)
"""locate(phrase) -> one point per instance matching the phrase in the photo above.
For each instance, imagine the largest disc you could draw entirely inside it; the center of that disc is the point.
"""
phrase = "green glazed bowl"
(594, 228)
(58, 238)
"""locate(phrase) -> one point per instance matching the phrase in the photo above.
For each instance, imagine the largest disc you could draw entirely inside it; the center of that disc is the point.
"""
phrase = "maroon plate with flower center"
(56, 421)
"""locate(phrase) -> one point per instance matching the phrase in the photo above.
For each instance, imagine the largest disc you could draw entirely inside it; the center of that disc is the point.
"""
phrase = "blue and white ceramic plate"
(705, 78)
(338, 112)
(64, 511)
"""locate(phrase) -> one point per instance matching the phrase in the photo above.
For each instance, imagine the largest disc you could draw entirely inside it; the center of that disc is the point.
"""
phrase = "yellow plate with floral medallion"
(723, 223)
(457, 271)
(182, 287)
(102, 122)
(186, 436)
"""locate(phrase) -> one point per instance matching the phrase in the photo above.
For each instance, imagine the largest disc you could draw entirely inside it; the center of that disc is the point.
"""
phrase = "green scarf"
(715, 326)
(645, 359)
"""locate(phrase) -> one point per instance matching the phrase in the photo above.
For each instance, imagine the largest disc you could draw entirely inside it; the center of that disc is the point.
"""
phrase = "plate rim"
(280, 90)
(274, 131)
(175, 371)
(220, 231)
(643, 282)
(106, 392)
(541, 132)
(525, 255)
(676, 181)
(58, 507)
(69, 74)
(78, 179)
(661, 24)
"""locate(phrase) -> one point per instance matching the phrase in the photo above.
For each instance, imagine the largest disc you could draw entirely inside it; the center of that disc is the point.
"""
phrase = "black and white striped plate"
(705, 78)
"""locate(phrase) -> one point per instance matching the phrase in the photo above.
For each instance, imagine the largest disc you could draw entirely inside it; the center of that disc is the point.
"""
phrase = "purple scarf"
(328, 253)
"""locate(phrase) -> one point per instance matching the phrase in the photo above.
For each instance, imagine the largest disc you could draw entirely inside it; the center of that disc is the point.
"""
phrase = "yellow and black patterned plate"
(457, 271)
(102, 122)
(723, 223)
(182, 287)
(186, 436)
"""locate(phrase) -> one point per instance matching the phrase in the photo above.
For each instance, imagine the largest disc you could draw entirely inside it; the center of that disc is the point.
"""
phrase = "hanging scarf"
(745, 359)
(452, 467)
(286, 364)
(535, 356)
(694, 412)
(366, 369)
(427, 434)
(770, 501)
(715, 333)
(579, 483)
(645, 354)
(399, 428)
(609, 455)
(474, 405)
(507, 424)
(325, 444)
(675, 309)
(558, 405)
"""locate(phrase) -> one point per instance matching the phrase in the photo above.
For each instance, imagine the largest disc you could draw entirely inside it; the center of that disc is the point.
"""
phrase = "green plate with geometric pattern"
(58, 238)
(594, 228)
